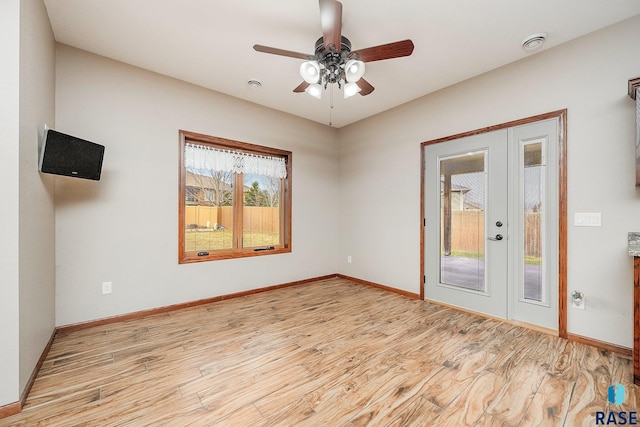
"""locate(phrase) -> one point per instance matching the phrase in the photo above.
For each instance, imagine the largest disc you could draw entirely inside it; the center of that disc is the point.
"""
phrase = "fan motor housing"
(345, 47)
(331, 60)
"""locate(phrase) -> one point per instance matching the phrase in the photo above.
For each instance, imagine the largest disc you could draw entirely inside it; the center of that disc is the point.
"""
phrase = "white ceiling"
(209, 42)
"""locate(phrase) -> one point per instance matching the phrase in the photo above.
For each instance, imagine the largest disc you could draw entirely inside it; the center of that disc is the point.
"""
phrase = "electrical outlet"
(349, 259)
(578, 300)
(107, 287)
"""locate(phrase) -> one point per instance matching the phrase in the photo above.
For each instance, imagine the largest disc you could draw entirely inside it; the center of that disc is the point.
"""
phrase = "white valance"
(200, 157)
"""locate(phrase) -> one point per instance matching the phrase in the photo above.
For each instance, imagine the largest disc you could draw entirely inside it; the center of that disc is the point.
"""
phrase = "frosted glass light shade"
(314, 90)
(351, 89)
(310, 71)
(353, 70)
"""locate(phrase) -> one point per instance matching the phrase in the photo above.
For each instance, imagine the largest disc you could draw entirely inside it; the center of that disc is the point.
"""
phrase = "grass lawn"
(209, 240)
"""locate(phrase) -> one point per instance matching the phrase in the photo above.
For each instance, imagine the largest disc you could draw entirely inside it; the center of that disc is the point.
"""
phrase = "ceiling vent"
(534, 41)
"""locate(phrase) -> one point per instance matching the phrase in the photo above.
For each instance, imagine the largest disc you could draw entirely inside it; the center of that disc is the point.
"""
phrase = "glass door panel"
(533, 218)
(462, 221)
(534, 271)
(466, 230)
(491, 223)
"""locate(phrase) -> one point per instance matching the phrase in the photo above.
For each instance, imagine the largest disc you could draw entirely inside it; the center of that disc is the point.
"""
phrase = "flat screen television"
(67, 155)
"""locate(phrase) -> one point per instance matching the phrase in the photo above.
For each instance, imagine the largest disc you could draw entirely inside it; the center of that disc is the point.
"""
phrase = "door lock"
(498, 223)
(498, 237)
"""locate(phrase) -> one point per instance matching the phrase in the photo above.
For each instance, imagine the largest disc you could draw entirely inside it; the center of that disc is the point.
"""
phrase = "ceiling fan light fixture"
(315, 90)
(333, 62)
(310, 71)
(353, 70)
(351, 89)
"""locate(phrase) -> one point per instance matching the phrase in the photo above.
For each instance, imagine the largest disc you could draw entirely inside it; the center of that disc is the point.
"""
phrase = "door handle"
(498, 237)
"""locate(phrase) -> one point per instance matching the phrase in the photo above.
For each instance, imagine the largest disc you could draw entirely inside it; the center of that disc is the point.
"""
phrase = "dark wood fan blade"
(282, 52)
(384, 51)
(365, 87)
(331, 22)
(301, 87)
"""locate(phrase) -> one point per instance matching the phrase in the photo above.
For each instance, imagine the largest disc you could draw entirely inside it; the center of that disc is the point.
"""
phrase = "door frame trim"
(561, 115)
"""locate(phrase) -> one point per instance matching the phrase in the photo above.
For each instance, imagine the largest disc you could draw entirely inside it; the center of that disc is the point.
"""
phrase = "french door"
(491, 215)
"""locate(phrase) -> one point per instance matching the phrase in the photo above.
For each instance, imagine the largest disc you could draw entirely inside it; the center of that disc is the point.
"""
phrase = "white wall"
(124, 228)
(9, 134)
(36, 207)
(380, 169)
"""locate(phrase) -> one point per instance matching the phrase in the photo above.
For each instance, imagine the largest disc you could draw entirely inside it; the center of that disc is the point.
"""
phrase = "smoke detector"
(534, 41)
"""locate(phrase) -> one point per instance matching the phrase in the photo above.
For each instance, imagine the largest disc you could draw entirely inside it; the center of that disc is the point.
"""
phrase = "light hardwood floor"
(329, 353)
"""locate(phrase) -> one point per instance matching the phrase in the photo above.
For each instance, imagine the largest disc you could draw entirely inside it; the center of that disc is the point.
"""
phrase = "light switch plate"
(588, 219)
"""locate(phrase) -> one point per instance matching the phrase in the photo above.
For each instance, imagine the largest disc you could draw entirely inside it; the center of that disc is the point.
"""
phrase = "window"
(234, 199)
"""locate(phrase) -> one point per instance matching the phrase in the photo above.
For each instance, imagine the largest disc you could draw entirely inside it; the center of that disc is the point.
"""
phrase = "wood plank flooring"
(332, 353)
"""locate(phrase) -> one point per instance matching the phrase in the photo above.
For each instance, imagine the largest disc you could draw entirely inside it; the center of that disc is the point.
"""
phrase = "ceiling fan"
(334, 61)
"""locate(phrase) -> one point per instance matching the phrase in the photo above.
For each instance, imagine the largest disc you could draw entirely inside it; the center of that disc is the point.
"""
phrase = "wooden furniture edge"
(636, 320)
(173, 307)
(379, 286)
(633, 85)
(603, 345)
